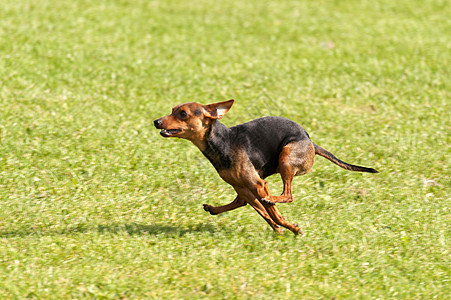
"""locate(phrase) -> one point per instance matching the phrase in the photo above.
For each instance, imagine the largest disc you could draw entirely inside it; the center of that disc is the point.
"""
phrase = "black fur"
(262, 139)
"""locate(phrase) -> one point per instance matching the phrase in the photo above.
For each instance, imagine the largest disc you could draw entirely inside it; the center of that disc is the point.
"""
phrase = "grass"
(95, 204)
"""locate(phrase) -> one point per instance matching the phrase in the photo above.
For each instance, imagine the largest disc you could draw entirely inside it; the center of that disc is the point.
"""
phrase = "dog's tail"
(324, 153)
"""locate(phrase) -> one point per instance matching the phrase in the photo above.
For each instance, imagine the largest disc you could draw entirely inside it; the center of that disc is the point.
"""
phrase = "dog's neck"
(216, 146)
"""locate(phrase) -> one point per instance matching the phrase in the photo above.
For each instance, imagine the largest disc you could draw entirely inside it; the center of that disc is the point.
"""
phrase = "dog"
(244, 155)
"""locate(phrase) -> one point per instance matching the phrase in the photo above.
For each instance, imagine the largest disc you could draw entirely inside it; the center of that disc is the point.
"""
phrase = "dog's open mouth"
(169, 132)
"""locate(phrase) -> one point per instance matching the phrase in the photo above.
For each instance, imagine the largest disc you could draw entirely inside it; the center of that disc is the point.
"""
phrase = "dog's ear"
(218, 110)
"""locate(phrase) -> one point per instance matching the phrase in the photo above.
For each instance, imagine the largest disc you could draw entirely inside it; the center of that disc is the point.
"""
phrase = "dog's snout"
(157, 123)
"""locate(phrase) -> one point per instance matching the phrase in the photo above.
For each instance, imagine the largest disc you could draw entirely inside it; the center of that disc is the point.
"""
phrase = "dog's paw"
(298, 231)
(267, 201)
(207, 208)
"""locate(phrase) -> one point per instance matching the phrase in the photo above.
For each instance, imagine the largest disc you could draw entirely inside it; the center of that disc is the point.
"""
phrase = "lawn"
(94, 203)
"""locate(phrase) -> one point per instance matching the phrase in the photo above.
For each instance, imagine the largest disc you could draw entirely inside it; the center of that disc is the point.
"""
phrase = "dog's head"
(191, 120)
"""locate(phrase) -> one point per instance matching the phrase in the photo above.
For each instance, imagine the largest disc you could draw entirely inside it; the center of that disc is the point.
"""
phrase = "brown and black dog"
(244, 155)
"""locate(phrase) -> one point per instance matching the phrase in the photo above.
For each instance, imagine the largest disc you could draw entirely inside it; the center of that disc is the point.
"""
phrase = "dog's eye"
(183, 114)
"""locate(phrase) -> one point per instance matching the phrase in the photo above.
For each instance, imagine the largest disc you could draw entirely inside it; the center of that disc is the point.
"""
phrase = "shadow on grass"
(129, 228)
(155, 229)
(24, 232)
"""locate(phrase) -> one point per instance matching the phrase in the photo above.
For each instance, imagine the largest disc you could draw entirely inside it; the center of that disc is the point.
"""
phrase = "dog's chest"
(241, 171)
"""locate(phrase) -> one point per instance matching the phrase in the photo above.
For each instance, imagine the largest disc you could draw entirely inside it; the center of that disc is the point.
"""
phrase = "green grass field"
(94, 203)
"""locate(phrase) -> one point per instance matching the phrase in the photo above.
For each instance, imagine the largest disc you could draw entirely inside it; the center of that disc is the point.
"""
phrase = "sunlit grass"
(95, 204)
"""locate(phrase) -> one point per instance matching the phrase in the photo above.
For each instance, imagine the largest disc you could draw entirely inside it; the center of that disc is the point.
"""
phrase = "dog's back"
(264, 138)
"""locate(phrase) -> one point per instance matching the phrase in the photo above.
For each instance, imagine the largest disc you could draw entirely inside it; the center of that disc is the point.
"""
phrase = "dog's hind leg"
(296, 158)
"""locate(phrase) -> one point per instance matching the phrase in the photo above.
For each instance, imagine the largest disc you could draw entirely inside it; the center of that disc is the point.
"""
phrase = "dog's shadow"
(116, 228)
(154, 229)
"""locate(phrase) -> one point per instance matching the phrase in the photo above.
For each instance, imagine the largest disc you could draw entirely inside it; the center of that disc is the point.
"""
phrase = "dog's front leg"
(216, 210)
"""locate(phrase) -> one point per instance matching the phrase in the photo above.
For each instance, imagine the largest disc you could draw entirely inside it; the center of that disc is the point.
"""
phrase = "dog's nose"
(157, 123)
